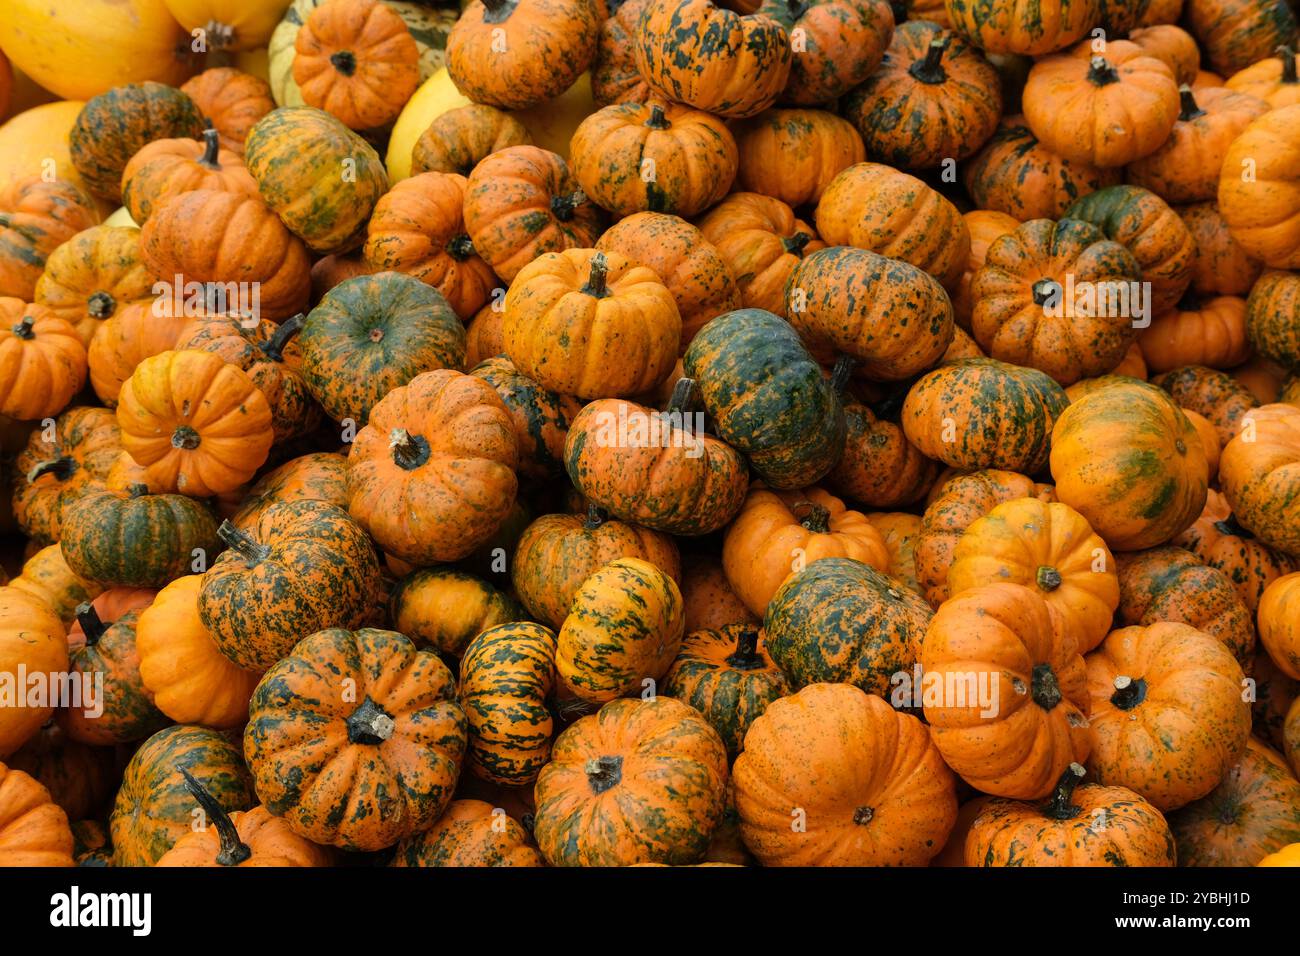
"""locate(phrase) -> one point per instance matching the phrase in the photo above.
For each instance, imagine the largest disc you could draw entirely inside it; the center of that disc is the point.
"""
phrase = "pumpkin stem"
(563, 207)
(796, 243)
(746, 657)
(815, 518)
(1287, 56)
(233, 851)
(683, 396)
(1045, 289)
(842, 372)
(657, 119)
(23, 329)
(595, 286)
(862, 815)
(100, 305)
(369, 724)
(1101, 73)
(1046, 691)
(409, 451)
(242, 543)
(603, 773)
(61, 468)
(345, 61)
(1128, 692)
(90, 622)
(273, 347)
(1230, 527)
(930, 70)
(595, 517)
(1058, 805)
(211, 147)
(186, 438)
(137, 489)
(498, 11)
(1190, 109)
(1049, 579)
(460, 247)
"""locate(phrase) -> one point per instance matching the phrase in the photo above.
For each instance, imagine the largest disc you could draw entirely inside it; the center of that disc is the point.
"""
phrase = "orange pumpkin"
(42, 361)
(1256, 472)
(93, 275)
(231, 101)
(134, 334)
(460, 139)
(1222, 266)
(36, 217)
(1273, 79)
(879, 467)
(1029, 29)
(793, 154)
(33, 828)
(837, 44)
(1279, 623)
(1258, 194)
(169, 167)
(32, 638)
(1221, 542)
(1195, 332)
(984, 226)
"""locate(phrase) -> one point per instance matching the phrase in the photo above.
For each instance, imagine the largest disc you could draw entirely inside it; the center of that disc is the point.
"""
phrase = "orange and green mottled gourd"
(900, 531)
(460, 139)
(1222, 266)
(1279, 624)
(122, 342)
(1257, 472)
(728, 677)
(168, 167)
(1026, 27)
(305, 567)
(837, 44)
(1262, 211)
(1211, 333)
(36, 217)
(1270, 318)
(1221, 542)
(42, 361)
(870, 781)
(57, 466)
(710, 602)
(80, 777)
(93, 275)
(624, 628)
(1236, 33)
(154, 808)
(1216, 395)
(444, 609)
(431, 477)
(31, 637)
(373, 333)
(1026, 720)
(1168, 716)
(124, 710)
(1129, 461)
(985, 228)
(641, 781)
(1063, 830)
(880, 467)
(841, 621)
(506, 679)
(470, 833)
(375, 769)
(793, 154)
(319, 476)
(47, 577)
(33, 829)
(1273, 79)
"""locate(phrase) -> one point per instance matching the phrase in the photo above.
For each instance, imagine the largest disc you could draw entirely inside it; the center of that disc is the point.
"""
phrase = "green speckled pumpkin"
(154, 808)
(506, 676)
(1211, 393)
(124, 710)
(306, 566)
(470, 833)
(1273, 318)
(1236, 33)
(322, 179)
(1028, 27)
(320, 476)
(56, 468)
(372, 333)
(541, 417)
(768, 397)
(841, 621)
(727, 677)
(444, 609)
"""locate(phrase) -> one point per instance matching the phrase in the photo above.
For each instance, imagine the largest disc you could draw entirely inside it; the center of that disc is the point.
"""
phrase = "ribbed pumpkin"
(483, 336)
(837, 44)
(1270, 319)
(372, 334)
(839, 620)
(982, 413)
(710, 602)
(541, 417)
(1256, 472)
(1027, 28)
(855, 771)
(1235, 34)
(900, 531)
(168, 167)
(1279, 624)
(445, 609)
(1130, 462)
(506, 677)
(1012, 701)
(400, 730)
(1221, 542)
(461, 138)
(1092, 825)
(1211, 333)
(42, 361)
(305, 567)
(47, 577)
(1273, 79)
(31, 638)
(469, 833)
(122, 342)
(93, 275)
(624, 628)
(33, 829)
(880, 467)
(320, 476)
(1214, 394)
(57, 466)
(36, 217)
(1257, 188)
(441, 450)
(985, 227)
(1173, 45)
(231, 102)
(107, 655)
(1222, 266)
(793, 154)
(154, 808)
(78, 776)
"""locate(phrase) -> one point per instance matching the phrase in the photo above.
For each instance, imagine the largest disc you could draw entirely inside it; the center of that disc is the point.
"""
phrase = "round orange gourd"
(1279, 623)
(42, 361)
(169, 167)
(793, 154)
(1259, 188)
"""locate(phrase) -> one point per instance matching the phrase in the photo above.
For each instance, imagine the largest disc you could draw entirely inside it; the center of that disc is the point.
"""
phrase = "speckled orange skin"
(124, 341)
(39, 217)
(460, 139)
(1279, 623)
(269, 838)
(1256, 474)
(444, 609)
(469, 833)
(710, 602)
(31, 636)
(899, 530)
(1222, 266)
(42, 361)
(232, 101)
(844, 42)
(33, 829)
(46, 575)
(871, 786)
(642, 781)
(1214, 394)
(366, 771)
(614, 76)
(880, 467)
(166, 168)
(1028, 28)
(93, 275)
(793, 154)
(1218, 540)
(320, 476)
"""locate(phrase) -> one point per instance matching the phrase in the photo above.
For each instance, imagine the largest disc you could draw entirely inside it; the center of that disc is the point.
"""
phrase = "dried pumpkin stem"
(842, 372)
(595, 286)
(683, 396)
(498, 11)
(233, 850)
(863, 815)
(930, 70)
(100, 305)
(369, 724)
(137, 489)
(595, 517)
(242, 543)
(1046, 691)
(564, 207)
(1189, 108)
(1229, 527)
(813, 517)
(460, 247)
(186, 438)
(211, 149)
(90, 622)
(1287, 56)
(61, 468)
(409, 451)
(345, 61)
(1045, 289)
(1058, 805)
(795, 244)
(23, 329)
(657, 119)
(603, 773)
(1101, 73)
(1048, 578)
(1128, 692)
(273, 347)
(746, 657)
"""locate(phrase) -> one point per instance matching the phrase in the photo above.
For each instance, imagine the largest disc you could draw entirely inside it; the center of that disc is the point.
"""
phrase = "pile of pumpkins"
(667, 432)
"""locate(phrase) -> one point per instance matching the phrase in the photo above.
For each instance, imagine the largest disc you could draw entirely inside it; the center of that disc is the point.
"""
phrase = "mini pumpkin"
(1174, 45)
(1279, 623)
(879, 467)
(320, 476)
(32, 638)
(231, 102)
(1214, 394)
(1221, 542)
(1270, 318)
(1257, 188)
(1023, 27)
(93, 275)
(107, 655)
(1235, 34)
(36, 217)
(541, 416)
(793, 154)
(461, 138)
(469, 833)
(837, 44)
(47, 577)
(1256, 474)
(42, 361)
(1273, 79)
(78, 776)
(58, 465)
(1211, 333)
(122, 342)
(445, 609)
(33, 829)
(169, 167)
(614, 75)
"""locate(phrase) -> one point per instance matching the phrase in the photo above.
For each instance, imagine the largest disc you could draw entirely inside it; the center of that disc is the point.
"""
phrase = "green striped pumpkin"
(541, 417)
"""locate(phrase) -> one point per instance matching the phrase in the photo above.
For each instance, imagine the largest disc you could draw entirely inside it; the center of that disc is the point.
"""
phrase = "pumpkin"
(541, 417)
(1279, 623)
(168, 167)
(1235, 34)
(401, 732)
(985, 226)
(777, 534)
(320, 476)
(431, 477)
(709, 600)
(1287, 856)
(934, 99)
(469, 833)
(1252, 812)
(1009, 692)
(1211, 333)
(1270, 318)
(1214, 394)
(891, 318)
(876, 207)
(1027, 302)
(305, 567)
(319, 177)
(506, 676)
(859, 771)
(837, 44)
(521, 202)
(793, 154)
(655, 157)
(197, 424)
(591, 324)
(614, 75)
(461, 138)
(879, 467)
(445, 609)
(231, 102)
(624, 628)
(33, 828)
(47, 577)
(42, 361)
(1256, 472)
(1128, 460)
(1093, 825)
(839, 620)
(356, 60)
(79, 777)
(122, 342)
(1221, 542)
(1262, 377)
(1257, 188)
(1291, 737)
(230, 247)
(1024, 27)
(761, 242)
(94, 275)
(229, 25)
(537, 49)
(484, 338)
(1275, 694)
(982, 413)
(900, 531)
(32, 641)
(1143, 222)
(58, 464)
(122, 710)
(695, 52)
(1273, 79)
(1173, 45)
(115, 125)
(1134, 366)
(135, 539)
(36, 217)
(154, 808)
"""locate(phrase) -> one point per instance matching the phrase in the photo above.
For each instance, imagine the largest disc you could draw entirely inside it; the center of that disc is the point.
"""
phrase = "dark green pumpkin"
(767, 396)
(371, 334)
(137, 539)
(109, 657)
(1213, 394)
(154, 808)
(840, 621)
(113, 126)
(541, 417)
